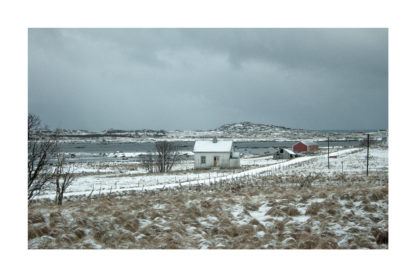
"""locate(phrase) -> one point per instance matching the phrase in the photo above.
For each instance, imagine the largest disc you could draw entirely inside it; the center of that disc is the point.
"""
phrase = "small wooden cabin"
(215, 153)
(283, 153)
(303, 146)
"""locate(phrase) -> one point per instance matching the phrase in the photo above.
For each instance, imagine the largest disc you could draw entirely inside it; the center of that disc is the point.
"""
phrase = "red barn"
(302, 146)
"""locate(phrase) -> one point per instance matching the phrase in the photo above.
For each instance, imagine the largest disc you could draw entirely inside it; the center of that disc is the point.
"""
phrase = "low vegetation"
(316, 211)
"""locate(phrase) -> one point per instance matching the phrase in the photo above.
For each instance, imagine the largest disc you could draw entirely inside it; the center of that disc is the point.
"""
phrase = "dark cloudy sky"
(192, 79)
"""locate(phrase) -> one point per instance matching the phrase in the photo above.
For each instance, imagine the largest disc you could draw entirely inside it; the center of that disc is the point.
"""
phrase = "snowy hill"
(242, 131)
(256, 130)
(249, 127)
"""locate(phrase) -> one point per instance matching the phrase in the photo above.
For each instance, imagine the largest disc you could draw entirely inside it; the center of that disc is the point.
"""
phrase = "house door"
(215, 161)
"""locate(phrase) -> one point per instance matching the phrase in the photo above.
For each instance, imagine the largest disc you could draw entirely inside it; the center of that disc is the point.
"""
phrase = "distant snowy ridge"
(243, 131)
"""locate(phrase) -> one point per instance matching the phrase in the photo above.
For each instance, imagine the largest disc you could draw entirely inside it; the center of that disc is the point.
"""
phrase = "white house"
(215, 153)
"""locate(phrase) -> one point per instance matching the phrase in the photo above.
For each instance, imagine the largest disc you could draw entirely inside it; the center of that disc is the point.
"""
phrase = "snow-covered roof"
(210, 146)
(289, 151)
(308, 143)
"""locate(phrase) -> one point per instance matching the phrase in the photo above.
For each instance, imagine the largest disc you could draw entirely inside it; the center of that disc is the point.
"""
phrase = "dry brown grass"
(201, 216)
(35, 218)
(275, 211)
(381, 236)
(314, 208)
(293, 211)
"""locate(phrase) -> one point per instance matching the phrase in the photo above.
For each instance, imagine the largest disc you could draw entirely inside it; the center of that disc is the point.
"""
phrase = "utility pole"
(368, 149)
(328, 152)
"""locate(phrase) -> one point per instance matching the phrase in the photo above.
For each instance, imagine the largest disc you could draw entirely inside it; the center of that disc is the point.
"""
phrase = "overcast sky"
(191, 79)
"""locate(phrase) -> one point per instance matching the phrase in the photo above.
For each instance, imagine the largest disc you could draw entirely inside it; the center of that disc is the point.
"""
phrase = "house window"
(202, 159)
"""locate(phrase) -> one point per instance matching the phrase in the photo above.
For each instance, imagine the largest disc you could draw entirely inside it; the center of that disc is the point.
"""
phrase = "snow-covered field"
(119, 176)
(268, 204)
(101, 178)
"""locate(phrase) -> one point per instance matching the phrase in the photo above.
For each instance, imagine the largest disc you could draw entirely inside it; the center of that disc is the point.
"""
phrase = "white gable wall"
(235, 163)
(223, 160)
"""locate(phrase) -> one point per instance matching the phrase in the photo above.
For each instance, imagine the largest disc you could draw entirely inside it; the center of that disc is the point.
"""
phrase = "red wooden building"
(302, 146)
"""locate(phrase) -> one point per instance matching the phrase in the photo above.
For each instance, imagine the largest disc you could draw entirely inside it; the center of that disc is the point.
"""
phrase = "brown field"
(267, 212)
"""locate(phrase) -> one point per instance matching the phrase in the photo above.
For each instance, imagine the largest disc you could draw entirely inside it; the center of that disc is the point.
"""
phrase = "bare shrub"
(167, 155)
(40, 169)
(62, 175)
(39, 156)
(149, 163)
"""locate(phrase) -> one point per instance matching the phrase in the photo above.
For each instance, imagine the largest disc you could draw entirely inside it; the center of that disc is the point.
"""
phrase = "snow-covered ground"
(298, 203)
(118, 177)
(115, 176)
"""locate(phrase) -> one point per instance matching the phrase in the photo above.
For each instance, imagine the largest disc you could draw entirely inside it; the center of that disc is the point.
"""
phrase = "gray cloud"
(201, 78)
